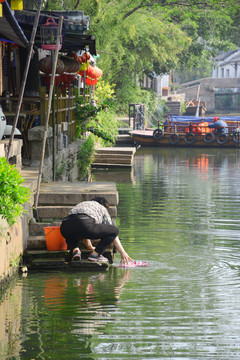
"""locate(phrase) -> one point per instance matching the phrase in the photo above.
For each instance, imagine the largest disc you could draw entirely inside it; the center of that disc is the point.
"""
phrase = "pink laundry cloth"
(135, 263)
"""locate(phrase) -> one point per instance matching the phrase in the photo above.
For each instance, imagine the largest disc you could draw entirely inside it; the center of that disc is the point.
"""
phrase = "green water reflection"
(179, 211)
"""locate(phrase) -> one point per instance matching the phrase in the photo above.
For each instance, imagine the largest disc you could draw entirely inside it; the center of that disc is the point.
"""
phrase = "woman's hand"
(125, 258)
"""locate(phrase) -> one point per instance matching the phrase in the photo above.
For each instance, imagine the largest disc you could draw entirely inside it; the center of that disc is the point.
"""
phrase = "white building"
(159, 83)
(227, 65)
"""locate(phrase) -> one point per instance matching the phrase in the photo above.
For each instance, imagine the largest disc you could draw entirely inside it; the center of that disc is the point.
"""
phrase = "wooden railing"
(64, 104)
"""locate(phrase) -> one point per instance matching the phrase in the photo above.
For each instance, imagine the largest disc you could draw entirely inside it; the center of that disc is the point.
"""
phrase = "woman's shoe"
(99, 258)
(76, 255)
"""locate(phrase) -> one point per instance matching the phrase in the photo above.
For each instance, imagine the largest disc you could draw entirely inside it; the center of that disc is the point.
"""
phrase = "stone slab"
(38, 252)
(116, 150)
(60, 212)
(72, 193)
(59, 263)
(114, 159)
(108, 165)
(48, 263)
(36, 242)
(31, 254)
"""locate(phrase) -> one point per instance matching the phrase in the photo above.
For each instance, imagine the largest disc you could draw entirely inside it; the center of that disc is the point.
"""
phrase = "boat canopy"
(194, 119)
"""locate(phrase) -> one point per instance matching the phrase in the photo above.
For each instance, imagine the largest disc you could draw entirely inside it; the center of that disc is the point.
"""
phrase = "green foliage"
(160, 113)
(12, 194)
(138, 37)
(85, 156)
(84, 112)
(100, 120)
(105, 126)
(104, 92)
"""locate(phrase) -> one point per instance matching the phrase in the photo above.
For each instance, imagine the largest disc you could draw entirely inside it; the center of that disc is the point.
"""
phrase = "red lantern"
(87, 55)
(70, 65)
(90, 81)
(93, 72)
(58, 80)
(89, 71)
(45, 65)
(67, 79)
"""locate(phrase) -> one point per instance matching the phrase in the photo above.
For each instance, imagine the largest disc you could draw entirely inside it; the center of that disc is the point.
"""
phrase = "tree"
(141, 36)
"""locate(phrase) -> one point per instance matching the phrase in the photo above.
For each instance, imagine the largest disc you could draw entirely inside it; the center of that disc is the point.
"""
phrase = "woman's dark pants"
(77, 226)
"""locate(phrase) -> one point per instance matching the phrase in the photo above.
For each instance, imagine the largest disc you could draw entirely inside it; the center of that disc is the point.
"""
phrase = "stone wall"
(65, 155)
(13, 241)
(10, 320)
(15, 157)
(208, 86)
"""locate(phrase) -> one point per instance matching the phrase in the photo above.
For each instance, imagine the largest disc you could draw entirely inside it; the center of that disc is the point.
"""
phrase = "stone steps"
(50, 212)
(56, 199)
(71, 193)
(124, 130)
(124, 140)
(115, 156)
(174, 107)
(38, 242)
(114, 159)
(117, 150)
(43, 259)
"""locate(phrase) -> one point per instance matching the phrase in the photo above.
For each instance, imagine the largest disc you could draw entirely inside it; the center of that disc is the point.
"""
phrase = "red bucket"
(54, 239)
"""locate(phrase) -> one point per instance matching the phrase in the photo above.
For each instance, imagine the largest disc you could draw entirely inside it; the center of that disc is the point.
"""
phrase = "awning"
(9, 27)
(73, 28)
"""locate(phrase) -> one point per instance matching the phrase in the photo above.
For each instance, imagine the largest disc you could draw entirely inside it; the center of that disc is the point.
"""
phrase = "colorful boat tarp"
(194, 119)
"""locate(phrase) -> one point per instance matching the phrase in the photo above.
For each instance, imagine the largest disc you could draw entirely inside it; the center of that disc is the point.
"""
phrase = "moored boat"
(187, 131)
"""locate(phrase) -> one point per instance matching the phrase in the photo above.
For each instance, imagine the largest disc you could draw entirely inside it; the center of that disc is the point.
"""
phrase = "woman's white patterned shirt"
(94, 210)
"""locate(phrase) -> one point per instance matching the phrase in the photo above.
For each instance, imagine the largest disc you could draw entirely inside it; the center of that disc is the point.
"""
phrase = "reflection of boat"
(176, 132)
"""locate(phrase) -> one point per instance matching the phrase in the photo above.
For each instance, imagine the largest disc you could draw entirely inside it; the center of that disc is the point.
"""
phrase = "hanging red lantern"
(93, 72)
(89, 71)
(67, 79)
(90, 81)
(88, 56)
(70, 65)
(58, 80)
(97, 72)
(45, 65)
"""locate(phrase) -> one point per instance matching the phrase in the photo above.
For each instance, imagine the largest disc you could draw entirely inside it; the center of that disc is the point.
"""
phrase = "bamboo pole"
(48, 111)
(198, 101)
(24, 79)
(53, 125)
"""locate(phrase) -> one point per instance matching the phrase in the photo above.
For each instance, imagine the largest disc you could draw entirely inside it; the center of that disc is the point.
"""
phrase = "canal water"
(179, 211)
